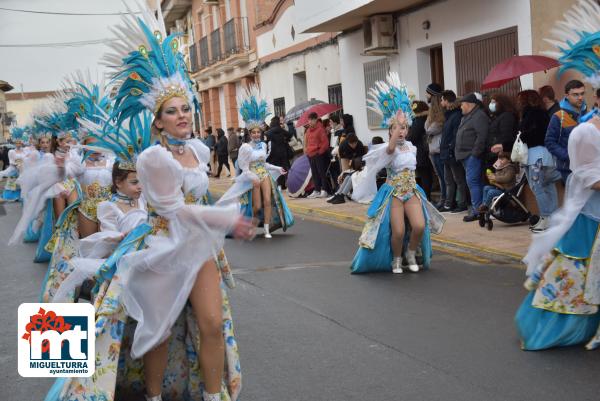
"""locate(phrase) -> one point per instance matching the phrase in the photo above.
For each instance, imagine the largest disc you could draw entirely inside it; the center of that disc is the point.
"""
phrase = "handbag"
(520, 151)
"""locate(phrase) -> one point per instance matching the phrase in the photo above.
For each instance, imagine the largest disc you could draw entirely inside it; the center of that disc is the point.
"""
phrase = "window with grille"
(334, 93)
(374, 71)
(279, 106)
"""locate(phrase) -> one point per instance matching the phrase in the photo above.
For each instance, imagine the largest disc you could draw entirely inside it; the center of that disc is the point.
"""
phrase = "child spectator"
(502, 180)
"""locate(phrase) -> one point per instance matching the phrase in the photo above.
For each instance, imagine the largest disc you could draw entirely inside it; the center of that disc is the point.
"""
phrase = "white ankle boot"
(397, 265)
(155, 398)
(267, 233)
(411, 259)
(211, 397)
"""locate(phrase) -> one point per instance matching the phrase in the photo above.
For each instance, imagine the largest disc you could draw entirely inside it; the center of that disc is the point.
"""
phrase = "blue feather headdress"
(577, 39)
(86, 99)
(18, 134)
(390, 99)
(125, 143)
(150, 69)
(254, 108)
(52, 116)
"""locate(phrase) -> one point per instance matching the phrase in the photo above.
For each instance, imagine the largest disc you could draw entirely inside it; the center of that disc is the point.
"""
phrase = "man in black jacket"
(454, 173)
(280, 151)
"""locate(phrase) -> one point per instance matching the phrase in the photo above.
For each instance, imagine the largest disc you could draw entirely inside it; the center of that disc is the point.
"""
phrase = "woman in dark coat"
(503, 127)
(280, 151)
(418, 137)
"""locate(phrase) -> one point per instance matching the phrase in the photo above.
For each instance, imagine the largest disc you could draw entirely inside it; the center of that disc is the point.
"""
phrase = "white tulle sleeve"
(7, 172)
(101, 244)
(38, 184)
(202, 151)
(74, 165)
(364, 190)
(12, 157)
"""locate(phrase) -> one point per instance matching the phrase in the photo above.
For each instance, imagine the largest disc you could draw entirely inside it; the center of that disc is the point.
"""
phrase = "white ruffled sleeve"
(74, 165)
(102, 244)
(364, 190)
(12, 157)
(202, 151)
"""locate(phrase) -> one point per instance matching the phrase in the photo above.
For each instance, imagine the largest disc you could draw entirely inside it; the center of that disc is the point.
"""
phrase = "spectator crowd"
(465, 155)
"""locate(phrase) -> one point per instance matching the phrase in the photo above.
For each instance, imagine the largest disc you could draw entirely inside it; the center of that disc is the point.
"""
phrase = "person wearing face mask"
(385, 239)
(263, 200)
(503, 127)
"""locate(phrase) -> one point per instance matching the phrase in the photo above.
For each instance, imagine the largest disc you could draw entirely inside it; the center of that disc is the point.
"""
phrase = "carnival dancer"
(178, 260)
(385, 239)
(264, 200)
(563, 263)
(16, 156)
(42, 141)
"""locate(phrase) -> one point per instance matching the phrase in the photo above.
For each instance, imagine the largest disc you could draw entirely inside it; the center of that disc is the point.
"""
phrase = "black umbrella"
(295, 112)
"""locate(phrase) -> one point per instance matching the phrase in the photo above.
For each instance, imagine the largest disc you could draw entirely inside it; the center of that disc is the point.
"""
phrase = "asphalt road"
(310, 331)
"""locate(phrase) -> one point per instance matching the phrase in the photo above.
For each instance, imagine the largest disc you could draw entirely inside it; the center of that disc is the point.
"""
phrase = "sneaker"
(331, 198)
(440, 204)
(459, 209)
(323, 194)
(412, 261)
(338, 199)
(470, 217)
(313, 195)
(397, 266)
(445, 209)
(540, 226)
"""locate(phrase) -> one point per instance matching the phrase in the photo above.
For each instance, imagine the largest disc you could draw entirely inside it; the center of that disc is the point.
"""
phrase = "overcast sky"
(42, 69)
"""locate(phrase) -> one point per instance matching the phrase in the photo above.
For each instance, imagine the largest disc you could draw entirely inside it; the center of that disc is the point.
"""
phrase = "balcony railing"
(216, 53)
(221, 43)
(194, 66)
(235, 33)
(204, 56)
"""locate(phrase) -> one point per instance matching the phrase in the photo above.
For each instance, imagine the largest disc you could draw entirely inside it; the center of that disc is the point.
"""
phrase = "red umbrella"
(320, 109)
(516, 66)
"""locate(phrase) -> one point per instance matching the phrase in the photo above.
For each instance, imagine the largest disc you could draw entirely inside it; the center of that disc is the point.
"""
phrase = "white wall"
(23, 109)
(322, 67)
(283, 34)
(315, 12)
(451, 21)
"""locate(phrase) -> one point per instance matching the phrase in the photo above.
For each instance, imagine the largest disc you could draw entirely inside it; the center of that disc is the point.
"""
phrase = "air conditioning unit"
(379, 35)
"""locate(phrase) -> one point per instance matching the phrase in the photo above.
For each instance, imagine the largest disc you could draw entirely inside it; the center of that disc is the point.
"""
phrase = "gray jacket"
(471, 137)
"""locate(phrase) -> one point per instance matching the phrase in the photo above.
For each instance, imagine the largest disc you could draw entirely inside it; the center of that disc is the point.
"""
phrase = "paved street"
(308, 330)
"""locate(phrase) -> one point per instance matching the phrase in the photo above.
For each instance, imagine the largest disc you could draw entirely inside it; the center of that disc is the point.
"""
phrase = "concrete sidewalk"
(504, 244)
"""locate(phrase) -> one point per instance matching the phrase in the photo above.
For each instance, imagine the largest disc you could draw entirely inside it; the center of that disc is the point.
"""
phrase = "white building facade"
(432, 41)
(295, 67)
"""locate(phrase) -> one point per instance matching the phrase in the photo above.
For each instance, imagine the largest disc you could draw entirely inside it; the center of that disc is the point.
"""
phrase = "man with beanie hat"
(470, 146)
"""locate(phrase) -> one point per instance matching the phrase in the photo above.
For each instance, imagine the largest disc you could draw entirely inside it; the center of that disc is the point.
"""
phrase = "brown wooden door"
(476, 56)
(437, 65)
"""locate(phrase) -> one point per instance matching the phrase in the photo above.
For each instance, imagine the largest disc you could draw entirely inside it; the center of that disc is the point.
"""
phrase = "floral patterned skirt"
(556, 313)
(93, 194)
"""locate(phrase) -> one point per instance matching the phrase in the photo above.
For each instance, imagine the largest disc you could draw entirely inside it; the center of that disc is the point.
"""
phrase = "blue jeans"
(438, 166)
(542, 182)
(489, 193)
(473, 170)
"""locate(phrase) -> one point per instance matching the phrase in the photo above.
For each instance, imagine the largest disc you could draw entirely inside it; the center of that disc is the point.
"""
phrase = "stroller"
(507, 207)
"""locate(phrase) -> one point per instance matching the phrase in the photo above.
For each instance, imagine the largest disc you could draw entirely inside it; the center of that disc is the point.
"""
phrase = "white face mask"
(492, 107)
